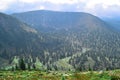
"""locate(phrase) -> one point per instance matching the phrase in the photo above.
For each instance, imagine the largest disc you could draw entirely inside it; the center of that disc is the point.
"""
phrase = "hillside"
(16, 38)
(19, 40)
(114, 22)
(91, 42)
(44, 20)
(80, 40)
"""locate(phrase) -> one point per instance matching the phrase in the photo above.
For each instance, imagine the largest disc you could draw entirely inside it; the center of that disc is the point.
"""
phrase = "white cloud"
(41, 7)
(62, 1)
(101, 7)
(4, 4)
(29, 1)
(96, 7)
(90, 4)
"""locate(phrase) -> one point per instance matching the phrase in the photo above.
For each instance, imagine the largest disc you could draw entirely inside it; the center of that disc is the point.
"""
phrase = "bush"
(115, 78)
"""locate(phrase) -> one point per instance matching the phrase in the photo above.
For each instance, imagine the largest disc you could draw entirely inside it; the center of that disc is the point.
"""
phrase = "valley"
(59, 39)
(50, 40)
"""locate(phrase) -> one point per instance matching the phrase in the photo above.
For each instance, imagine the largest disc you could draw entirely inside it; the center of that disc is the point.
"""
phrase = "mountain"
(51, 20)
(114, 22)
(19, 40)
(16, 38)
(79, 40)
(91, 42)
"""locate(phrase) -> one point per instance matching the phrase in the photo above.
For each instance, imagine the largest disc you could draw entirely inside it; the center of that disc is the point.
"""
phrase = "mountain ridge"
(84, 40)
(81, 31)
(68, 18)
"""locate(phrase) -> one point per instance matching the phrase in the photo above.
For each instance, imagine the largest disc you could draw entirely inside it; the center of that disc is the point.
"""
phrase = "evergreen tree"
(22, 64)
(34, 67)
(16, 67)
(29, 66)
(13, 68)
(55, 67)
(90, 69)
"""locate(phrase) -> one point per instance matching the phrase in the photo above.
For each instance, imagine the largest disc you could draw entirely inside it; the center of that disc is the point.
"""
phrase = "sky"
(101, 8)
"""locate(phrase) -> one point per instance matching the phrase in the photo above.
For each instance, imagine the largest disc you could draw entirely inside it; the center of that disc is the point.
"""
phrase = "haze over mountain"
(114, 22)
(52, 20)
(79, 40)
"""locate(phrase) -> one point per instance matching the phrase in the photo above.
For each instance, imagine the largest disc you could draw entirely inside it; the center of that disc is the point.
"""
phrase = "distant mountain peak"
(45, 19)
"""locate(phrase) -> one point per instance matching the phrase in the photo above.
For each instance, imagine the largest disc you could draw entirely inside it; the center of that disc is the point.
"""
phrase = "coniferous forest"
(69, 45)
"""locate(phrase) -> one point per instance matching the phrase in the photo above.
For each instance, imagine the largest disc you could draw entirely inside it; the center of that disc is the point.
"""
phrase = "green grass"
(59, 75)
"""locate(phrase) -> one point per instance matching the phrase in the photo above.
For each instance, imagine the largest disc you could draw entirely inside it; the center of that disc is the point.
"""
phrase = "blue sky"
(101, 8)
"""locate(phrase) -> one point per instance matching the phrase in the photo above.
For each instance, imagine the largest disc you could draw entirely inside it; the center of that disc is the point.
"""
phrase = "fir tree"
(22, 64)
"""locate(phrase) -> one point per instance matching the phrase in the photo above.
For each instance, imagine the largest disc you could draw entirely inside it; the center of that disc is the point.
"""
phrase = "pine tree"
(22, 64)
(13, 68)
(34, 67)
(16, 67)
(29, 66)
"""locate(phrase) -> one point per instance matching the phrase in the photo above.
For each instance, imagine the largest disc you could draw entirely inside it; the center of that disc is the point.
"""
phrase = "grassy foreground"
(59, 75)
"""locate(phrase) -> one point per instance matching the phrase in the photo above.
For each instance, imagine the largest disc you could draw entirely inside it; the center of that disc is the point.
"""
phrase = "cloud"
(41, 7)
(105, 3)
(62, 1)
(96, 7)
(4, 4)
(29, 1)
(102, 7)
